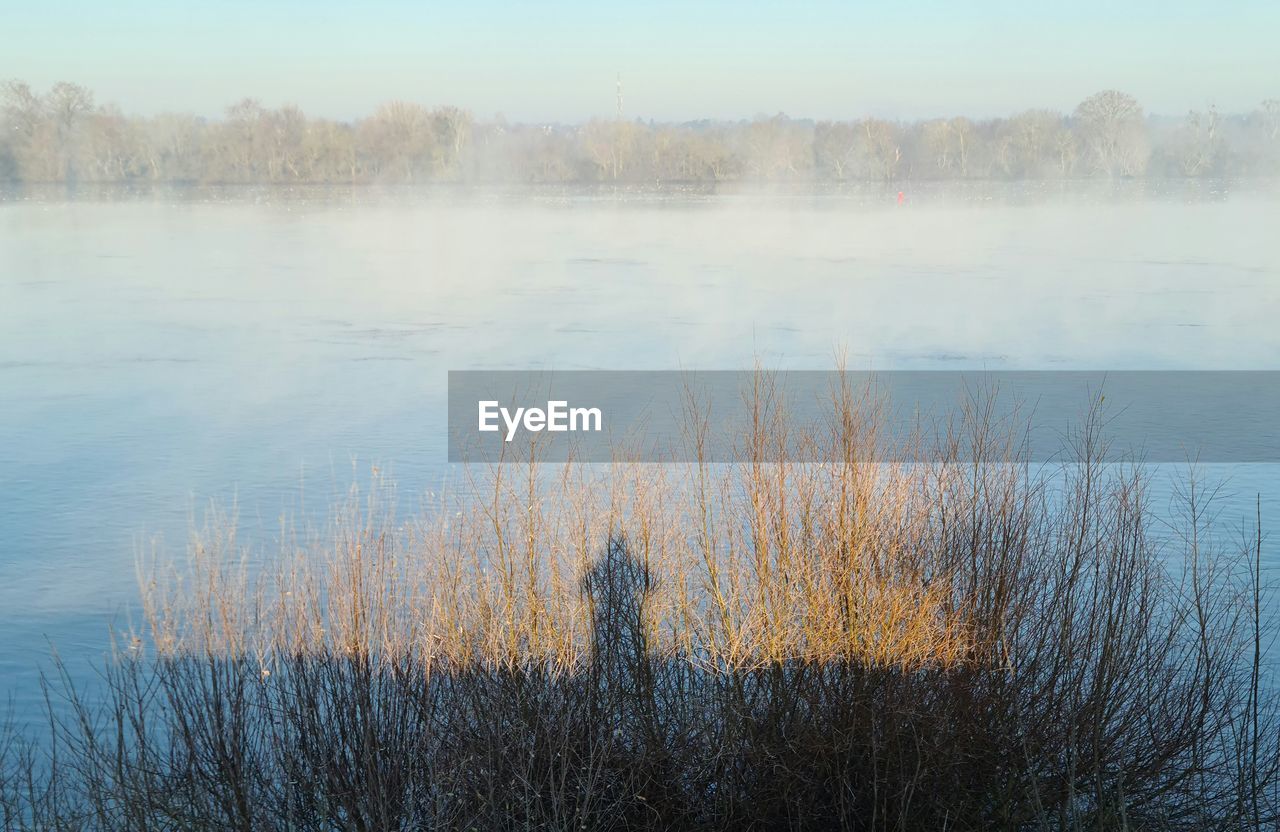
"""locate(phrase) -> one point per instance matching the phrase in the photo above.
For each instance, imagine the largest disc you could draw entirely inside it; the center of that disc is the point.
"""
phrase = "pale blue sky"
(679, 60)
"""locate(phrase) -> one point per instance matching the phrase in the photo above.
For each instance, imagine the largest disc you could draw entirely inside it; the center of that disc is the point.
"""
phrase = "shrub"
(961, 644)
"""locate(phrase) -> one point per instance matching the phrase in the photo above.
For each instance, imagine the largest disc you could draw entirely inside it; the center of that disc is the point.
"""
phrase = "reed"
(962, 642)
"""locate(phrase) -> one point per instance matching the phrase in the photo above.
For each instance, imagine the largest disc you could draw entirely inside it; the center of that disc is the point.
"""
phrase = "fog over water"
(162, 350)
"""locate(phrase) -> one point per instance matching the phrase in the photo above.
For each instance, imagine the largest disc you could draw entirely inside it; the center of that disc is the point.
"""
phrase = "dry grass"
(963, 642)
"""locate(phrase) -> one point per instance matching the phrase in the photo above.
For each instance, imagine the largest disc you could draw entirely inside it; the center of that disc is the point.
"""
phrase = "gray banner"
(732, 416)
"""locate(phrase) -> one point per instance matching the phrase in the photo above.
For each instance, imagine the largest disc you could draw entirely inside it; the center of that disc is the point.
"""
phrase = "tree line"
(62, 135)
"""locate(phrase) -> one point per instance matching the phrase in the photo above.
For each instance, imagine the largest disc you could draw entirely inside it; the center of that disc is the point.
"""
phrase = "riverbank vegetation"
(64, 135)
(966, 642)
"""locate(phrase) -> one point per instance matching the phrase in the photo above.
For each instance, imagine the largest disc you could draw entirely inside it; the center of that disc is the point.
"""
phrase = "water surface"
(164, 350)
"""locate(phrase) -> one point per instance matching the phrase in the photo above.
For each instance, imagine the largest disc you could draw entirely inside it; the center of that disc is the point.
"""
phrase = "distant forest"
(63, 135)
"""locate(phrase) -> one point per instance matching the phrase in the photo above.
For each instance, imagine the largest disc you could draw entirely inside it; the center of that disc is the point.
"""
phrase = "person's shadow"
(618, 589)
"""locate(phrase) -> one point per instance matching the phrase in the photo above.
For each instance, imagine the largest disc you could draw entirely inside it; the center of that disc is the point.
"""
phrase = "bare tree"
(777, 148)
(951, 144)
(1201, 148)
(1114, 133)
(68, 105)
(400, 141)
(23, 108)
(174, 149)
(612, 146)
(1270, 112)
(881, 149)
(1031, 144)
(453, 131)
(116, 147)
(239, 153)
(835, 148)
(286, 131)
(31, 133)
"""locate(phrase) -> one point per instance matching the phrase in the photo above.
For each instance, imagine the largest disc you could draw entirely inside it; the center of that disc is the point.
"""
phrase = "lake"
(163, 351)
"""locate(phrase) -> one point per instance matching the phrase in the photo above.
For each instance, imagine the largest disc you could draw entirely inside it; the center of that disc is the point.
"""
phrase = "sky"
(559, 60)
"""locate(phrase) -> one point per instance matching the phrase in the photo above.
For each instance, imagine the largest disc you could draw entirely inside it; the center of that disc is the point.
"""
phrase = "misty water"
(160, 352)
